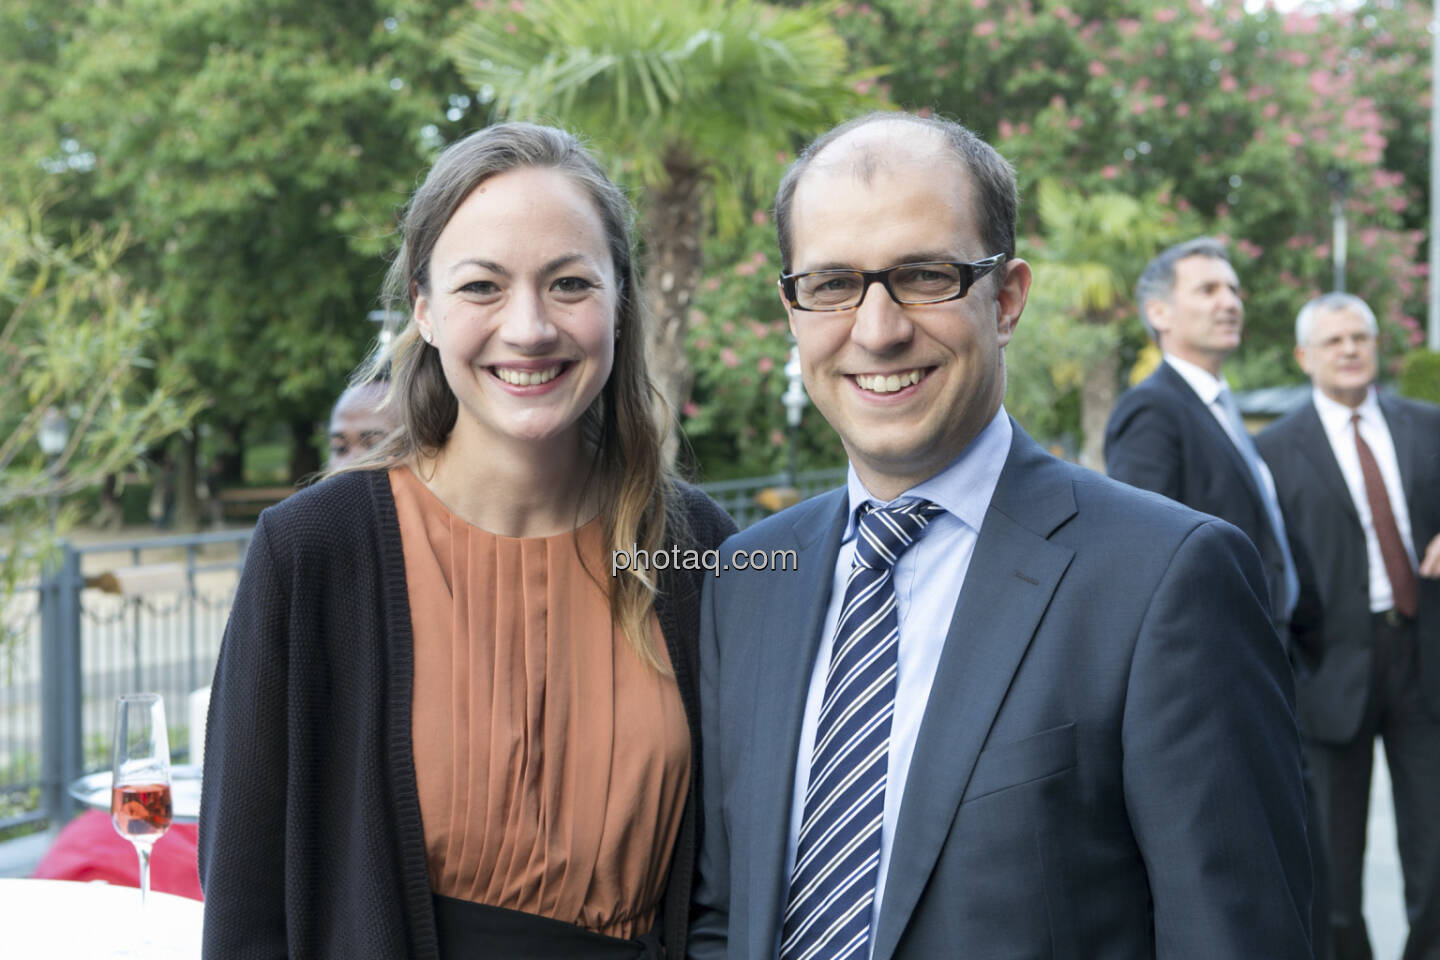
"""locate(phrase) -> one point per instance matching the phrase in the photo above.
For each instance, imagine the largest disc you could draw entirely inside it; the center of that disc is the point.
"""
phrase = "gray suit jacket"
(1108, 765)
(1331, 698)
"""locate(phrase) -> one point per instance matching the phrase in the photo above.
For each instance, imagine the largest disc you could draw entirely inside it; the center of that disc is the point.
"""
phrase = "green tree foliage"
(1085, 264)
(258, 153)
(691, 98)
(74, 337)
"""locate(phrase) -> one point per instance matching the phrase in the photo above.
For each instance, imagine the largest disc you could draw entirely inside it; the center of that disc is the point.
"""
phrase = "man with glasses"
(1358, 475)
(1005, 707)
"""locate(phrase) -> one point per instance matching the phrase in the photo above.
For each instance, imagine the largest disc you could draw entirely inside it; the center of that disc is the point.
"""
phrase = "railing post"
(72, 753)
(61, 760)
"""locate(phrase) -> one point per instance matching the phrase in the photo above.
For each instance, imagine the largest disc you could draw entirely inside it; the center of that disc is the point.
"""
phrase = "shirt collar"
(1336, 416)
(963, 488)
(1205, 384)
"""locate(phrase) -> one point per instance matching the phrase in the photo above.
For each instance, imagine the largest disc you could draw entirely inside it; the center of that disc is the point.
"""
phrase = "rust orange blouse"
(551, 762)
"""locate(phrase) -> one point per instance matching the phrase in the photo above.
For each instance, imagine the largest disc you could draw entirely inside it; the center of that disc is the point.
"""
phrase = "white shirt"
(923, 605)
(1208, 388)
(1335, 417)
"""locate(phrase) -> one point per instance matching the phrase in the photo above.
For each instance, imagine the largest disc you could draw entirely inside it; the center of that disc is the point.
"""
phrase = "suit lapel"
(1205, 417)
(1406, 449)
(780, 707)
(1012, 575)
(1314, 445)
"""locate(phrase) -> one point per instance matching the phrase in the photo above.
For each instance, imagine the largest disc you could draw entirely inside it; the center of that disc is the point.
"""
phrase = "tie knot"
(887, 532)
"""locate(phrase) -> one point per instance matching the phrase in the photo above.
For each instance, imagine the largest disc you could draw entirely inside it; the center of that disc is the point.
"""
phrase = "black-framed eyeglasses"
(931, 282)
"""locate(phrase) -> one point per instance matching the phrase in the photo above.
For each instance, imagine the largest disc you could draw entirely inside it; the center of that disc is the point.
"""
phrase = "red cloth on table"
(88, 848)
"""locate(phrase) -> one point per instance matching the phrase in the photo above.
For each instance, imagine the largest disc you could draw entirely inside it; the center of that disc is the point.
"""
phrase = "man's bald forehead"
(886, 142)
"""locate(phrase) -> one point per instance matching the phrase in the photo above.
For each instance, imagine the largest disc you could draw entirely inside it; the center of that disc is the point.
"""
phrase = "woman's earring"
(425, 335)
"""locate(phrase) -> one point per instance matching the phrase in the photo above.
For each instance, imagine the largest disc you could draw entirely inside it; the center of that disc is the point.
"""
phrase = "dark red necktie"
(1392, 550)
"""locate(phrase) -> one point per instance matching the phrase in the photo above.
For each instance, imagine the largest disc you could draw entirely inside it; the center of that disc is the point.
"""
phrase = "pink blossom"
(1270, 110)
(980, 4)
(1110, 171)
(711, 284)
(1166, 15)
(1097, 69)
(729, 358)
(745, 268)
(1139, 107)
(759, 329)
(1075, 123)
(777, 439)
(1182, 109)
(764, 364)
(511, 28)
(517, 6)
(702, 344)
(1222, 211)
(759, 218)
(1127, 26)
(1294, 139)
(984, 28)
(1007, 129)
(1158, 102)
(1249, 249)
(690, 409)
(1057, 102)
(1228, 83)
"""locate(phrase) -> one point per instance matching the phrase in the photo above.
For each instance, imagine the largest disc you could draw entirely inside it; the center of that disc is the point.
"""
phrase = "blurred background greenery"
(221, 181)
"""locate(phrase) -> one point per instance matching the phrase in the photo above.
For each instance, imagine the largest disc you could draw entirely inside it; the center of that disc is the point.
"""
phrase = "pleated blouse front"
(551, 762)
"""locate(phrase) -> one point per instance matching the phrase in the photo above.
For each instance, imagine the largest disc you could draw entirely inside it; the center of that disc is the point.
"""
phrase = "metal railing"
(106, 619)
(119, 617)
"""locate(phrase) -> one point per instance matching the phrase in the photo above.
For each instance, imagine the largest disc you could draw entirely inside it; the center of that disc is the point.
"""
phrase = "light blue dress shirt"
(924, 605)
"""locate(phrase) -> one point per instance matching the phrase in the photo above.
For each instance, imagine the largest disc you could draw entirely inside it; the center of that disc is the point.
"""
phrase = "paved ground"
(1384, 893)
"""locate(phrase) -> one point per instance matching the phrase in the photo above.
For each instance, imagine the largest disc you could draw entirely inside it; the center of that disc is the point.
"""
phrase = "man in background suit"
(1179, 432)
(1358, 473)
(1006, 707)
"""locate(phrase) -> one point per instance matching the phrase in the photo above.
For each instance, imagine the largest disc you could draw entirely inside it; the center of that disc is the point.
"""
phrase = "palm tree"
(1093, 251)
(691, 98)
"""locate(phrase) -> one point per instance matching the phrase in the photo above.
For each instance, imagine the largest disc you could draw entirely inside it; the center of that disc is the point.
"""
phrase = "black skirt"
(475, 931)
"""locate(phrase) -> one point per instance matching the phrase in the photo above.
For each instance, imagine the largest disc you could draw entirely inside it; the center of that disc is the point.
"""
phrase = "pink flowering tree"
(739, 341)
(1243, 115)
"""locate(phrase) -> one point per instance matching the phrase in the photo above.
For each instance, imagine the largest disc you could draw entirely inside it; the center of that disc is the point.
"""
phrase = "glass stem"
(143, 850)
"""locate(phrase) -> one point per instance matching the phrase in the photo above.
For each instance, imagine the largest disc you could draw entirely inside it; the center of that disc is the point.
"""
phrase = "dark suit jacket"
(1108, 765)
(1162, 437)
(1320, 514)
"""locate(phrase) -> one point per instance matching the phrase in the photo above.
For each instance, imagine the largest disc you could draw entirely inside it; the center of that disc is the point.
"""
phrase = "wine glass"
(140, 789)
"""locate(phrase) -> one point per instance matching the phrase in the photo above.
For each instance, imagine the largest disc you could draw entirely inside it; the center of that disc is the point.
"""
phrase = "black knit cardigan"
(310, 836)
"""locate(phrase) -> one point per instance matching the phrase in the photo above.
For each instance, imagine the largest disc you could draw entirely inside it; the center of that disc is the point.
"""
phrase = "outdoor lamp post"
(794, 401)
(53, 436)
(1339, 181)
(378, 317)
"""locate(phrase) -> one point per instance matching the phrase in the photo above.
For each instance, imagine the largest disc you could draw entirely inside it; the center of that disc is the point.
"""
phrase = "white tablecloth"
(60, 919)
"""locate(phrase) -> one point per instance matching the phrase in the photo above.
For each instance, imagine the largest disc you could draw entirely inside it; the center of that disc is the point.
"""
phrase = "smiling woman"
(471, 726)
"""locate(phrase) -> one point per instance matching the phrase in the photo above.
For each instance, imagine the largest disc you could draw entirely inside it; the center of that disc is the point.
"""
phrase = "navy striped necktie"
(837, 859)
